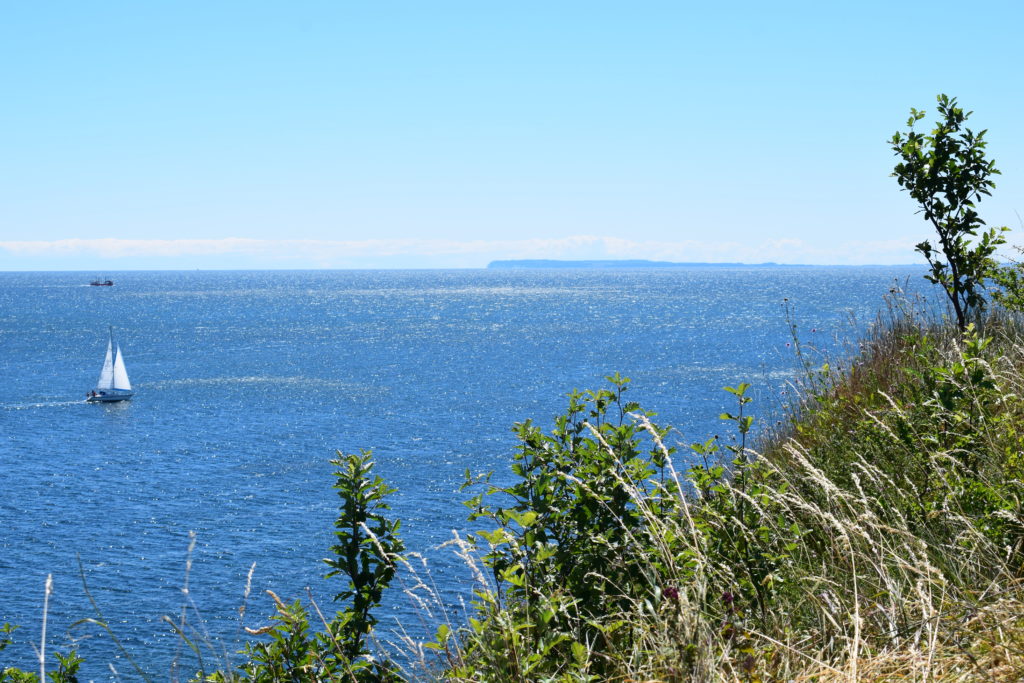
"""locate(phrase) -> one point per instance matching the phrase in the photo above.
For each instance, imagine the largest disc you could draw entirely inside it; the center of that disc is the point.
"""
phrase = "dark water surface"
(247, 382)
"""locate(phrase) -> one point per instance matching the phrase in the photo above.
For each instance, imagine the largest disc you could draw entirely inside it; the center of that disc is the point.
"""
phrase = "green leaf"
(579, 653)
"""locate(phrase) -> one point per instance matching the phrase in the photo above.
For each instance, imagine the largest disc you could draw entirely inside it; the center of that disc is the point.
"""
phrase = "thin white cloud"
(439, 252)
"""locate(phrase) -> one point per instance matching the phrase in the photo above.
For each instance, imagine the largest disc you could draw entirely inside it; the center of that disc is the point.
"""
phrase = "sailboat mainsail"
(106, 380)
(113, 384)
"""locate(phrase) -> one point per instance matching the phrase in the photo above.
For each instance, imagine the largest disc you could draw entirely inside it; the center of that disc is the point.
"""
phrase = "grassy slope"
(877, 536)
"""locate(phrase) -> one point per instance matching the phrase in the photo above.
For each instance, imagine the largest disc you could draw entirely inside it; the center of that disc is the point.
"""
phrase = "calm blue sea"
(247, 382)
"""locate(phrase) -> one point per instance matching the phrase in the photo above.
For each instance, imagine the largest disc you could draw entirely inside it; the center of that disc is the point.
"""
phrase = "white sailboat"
(113, 384)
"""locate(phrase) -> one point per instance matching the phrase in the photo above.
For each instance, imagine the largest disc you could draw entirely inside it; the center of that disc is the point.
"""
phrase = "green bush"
(67, 665)
(367, 552)
(570, 548)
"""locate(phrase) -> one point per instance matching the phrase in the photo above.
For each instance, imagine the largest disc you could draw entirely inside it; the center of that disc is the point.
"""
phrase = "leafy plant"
(1010, 281)
(946, 172)
(67, 665)
(571, 543)
(367, 550)
(293, 653)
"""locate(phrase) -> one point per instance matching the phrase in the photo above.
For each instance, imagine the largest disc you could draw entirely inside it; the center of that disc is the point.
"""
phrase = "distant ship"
(113, 384)
(102, 283)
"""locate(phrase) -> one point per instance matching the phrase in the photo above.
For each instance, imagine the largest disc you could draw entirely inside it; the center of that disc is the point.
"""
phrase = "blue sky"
(447, 134)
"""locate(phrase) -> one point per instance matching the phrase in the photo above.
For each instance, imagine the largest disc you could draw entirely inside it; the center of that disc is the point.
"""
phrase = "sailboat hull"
(110, 397)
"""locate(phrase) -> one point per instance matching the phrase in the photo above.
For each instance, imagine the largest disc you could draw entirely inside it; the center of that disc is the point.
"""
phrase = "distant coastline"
(634, 263)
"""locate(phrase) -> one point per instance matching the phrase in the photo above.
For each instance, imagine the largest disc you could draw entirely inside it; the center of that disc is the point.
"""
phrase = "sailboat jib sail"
(120, 382)
(113, 384)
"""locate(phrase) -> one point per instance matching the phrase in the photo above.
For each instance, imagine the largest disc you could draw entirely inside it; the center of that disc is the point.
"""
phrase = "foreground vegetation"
(875, 534)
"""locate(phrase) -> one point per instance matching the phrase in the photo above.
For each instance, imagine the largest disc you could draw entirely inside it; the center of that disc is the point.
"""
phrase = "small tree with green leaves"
(367, 550)
(946, 172)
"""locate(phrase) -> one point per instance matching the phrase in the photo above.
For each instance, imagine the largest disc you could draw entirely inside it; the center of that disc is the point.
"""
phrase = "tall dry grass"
(877, 537)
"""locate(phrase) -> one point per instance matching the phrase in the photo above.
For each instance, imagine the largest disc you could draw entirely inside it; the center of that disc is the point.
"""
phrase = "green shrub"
(67, 665)
(367, 551)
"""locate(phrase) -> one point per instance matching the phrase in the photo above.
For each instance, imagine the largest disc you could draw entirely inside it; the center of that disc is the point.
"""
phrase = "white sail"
(106, 380)
(120, 375)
